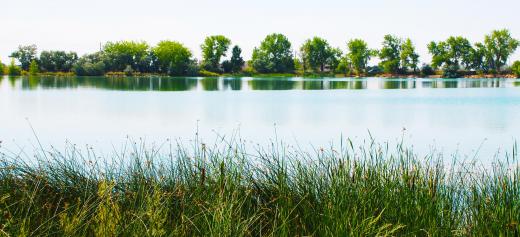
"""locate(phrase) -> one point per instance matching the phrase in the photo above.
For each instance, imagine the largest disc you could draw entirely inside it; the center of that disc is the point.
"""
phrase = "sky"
(83, 25)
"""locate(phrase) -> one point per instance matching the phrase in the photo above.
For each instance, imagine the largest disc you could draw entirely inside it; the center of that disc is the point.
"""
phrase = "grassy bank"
(220, 190)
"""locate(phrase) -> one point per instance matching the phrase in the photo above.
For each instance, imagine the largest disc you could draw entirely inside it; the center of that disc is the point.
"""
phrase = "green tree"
(13, 69)
(25, 55)
(236, 62)
(317, 53)
(515, 68)
(274, 55)
(390, 54)
(454, 52)
(409, 58)
(57, 61)
(3, 68)
(123, 53)
(90, 65)
(499, 45)
(359, 54)
(213, 49)
(33, 68)
(173, 58)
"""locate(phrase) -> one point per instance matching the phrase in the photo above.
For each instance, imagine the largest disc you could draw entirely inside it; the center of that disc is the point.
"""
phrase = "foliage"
(205, 73)
(123, 53)
(236, 62)
(390, 54)
(13, 69)
(317, 54)
(214, 48)
(344, 66)
(452, 53)
(222, 190)
(409, 58)
(33, 68)
(359, 54)
(57, 61)
(3, 69)
(499, 45)
(173, 58)
(515, 68)
(427, 70)
(450, 71)
(274, 55)
(91, 65)
(25, 55)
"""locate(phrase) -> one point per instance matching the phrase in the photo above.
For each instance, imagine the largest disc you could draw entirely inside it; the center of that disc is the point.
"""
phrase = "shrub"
(205, 73)
(3, 68)
(451, 71)
(515, 68)
(33, 68)
(13, 69)
(90, 65)
(427, 70)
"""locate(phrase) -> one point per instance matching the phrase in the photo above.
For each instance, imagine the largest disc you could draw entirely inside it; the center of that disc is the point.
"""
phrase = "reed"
(224, 190)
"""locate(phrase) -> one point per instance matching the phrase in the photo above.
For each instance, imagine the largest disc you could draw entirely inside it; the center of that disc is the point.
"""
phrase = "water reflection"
(224, 83)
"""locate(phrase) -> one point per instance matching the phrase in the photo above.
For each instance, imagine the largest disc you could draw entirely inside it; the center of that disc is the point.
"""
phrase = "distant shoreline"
(288, 75)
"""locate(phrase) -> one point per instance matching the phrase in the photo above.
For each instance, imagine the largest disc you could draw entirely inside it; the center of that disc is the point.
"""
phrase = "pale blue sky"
(81, 25)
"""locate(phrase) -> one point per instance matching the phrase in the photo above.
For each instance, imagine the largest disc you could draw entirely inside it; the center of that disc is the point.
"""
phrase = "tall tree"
(25, 55)
(455, 51)
(33, 68)
(274, 55)
(213, 49)
(317, 53)
(90, 65)
(123, 53)
(236, 62)
(57, 61)
(500, 45)
(390, 54)
(409, 58)
(173, 58)
(359, 54)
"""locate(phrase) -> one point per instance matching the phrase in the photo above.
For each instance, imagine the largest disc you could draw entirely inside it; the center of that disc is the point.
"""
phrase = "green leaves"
(317, 54)
(274, 55)
(359, 54)
(213, 48)
(173, 57)
(123, 53)
(499, 45)
(25, 55)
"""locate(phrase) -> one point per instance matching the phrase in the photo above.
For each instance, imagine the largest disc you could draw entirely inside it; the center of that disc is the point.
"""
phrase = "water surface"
(463, 115)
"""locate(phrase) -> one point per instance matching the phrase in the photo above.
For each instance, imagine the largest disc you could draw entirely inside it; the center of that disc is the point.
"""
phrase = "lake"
(450, 115)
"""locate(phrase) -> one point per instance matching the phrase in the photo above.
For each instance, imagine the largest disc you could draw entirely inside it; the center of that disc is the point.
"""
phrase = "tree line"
(275, 54)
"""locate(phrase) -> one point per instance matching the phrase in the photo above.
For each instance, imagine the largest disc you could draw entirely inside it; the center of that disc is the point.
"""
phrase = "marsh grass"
(221, 190)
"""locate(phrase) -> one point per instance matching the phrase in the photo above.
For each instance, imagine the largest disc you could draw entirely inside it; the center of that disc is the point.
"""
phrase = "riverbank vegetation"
(454, 57)
(222, 190)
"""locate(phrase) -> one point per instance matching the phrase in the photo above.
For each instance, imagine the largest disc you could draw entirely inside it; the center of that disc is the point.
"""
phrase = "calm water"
(453, 115)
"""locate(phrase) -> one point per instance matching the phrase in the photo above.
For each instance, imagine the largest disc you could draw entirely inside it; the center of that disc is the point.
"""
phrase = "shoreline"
(284, 75)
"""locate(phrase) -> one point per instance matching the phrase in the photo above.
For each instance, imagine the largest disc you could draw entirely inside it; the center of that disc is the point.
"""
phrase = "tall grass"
(221, 190)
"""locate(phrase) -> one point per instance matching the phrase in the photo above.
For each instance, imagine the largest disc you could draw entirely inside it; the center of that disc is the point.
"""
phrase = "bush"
(427, 70)
(90, 65)
(451, 71)
(13, 69)
(515, 68)
(205, 73)
(3, 69)
(33, 68)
